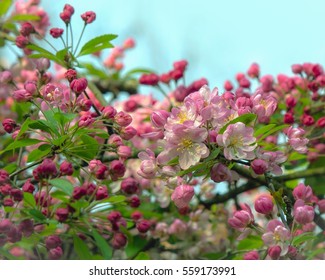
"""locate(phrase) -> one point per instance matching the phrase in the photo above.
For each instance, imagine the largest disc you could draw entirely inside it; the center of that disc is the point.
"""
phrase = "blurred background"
(218, 38)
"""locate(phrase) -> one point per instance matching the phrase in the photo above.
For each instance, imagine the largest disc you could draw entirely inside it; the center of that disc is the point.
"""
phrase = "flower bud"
(264, 204)
(149, 79)
(45, 170)
(296, 68)
(128, 43)
(8, 202)
(252, 255)
(21, 95)
(128, 133)
(143, 226)
(302, 213)
(134, 201)
(180, 93)
(26, 227)
(66, 168)
(26, 29)
(14, 234)
(52, 242)
(9, 125)
(56, 32)
(70, 75)
(108, 112)
(321, 206)
(88, 17)
(16, 194)
(228, 86)
(159, 118)
(101, 193)
(136, 215)
(62, 214)
(242, 218)
(42, 64)
(253, 71)
(259, 166)
(79, 85)
(56, 253)
(79, 192)
(65, 15)
(118, 241)
(124, 152)
(5, 77)
(116, 169)
(21, 41)
(114, 216)
(303, 192)
(288, 118)
(274, 252)
(123, 119)
(182, 195)
(5, 226)
(130, 186)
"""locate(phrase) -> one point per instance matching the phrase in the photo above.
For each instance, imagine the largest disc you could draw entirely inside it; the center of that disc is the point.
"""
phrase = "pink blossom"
(254, 70)
(159, 118)
(303, 192)
(251, 255)
(264, 204)
(88, 17)
(277, 234)
(148, 167)
(182, 195)
(263, 106)
(178, 228)
(56, 32)
(303, 213)
(221, 173)
(26, 29)
(321, 206)
(259, 166)
(242, 218)
(238, 142)
(185, 142)
(273, 160)
(21, 95)
(274, 252)
(79, 85)
(296, 139)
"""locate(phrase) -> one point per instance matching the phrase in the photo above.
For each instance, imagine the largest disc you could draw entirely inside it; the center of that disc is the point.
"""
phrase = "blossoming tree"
(201, 173)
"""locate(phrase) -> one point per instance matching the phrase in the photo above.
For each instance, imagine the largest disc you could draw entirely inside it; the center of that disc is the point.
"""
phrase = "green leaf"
(245, 118)
(264, 129)
(63, 185)
(115, 199)
(29, 199)
(59, 141)
(97, 44)
(40, 152)
(92, 70)
(142, 256)
(87, 150)
(64, 118)
(24, 127)
(10, 167)
(41, 125)
(297, 240)
(250, 243)
(4, 7)
(135, 247)
(213, 155)
(37, 214)
(173, 161)
(103, 246)
(20, 143)
(296, 156)
(24, 17)
(43, 53)
(214, 256)
(273, 130)
(81, 249)
(203, 165)
(60, 195)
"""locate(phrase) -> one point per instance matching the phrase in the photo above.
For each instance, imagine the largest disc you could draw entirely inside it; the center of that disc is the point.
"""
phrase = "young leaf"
(24, 17)
(245, 118)
(97, 44)
(39, 153)
(250, 243)
(103, 246)
(37, 214)
(302, 238)
(4, 7)
(271, 131)
(264, 129)
(63, 185)
(81, 249)
(29, 199)
(21, 143)
(142, 256)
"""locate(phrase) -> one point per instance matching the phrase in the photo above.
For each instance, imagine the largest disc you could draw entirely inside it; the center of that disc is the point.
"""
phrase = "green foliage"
(97, 44)
(245, 118)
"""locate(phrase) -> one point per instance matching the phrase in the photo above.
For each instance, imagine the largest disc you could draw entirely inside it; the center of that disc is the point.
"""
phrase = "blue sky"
(218, 38)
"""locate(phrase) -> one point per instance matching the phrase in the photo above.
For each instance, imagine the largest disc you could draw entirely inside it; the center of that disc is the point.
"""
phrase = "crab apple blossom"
(303, 213)
(88, 17)
(241, 219)
(182, 195)
(221, 173)
(238, 142)
(303, 192)
(79, 85)
(264, 204)
(55, 253)
(296, 139)
(252, 255)
(274, 252)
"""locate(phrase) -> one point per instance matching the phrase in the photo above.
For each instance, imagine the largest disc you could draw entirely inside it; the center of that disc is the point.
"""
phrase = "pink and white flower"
(238, 142)
(296, 139)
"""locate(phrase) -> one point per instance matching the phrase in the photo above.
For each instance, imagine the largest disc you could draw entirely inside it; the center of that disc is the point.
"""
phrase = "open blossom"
(277, 234)
(221, 173)
(263, 106)
(148, 167)
(272, 160)
(296, 139)
(303, 192)
(238, 142)
(185, 142)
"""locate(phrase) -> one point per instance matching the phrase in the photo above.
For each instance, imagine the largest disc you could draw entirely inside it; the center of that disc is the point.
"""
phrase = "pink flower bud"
(176, 74)
(9, 125)
(62, 214)
(118, 241)
(42, 64)
(45, 170)
(88, 17)
(149, 79)
(307, 120)
(14, 235)
(5, 226)
(259, 166)
(182, 195)
(321, 122)
(52, 242)
(30, 87)
(180, 93)
(26, 29)
(70, 75)
(267, 83)
(116, 169)
(79, 85)
(21, 95)
(16, 194)
(165, 78)
(8, 202)
(302, 213)
(178, 228)
(220, 173)
(130, 186)
(66, 168)
(264, 204)
(101, 193)
(5, 77)
(136, 215)
(241, 219)
(128, 43)
(21, 41)
(228, 86)
(134, 201)
(288, 118)
(101, 172)
(296, 68)
(124, 152)
(303, 192)
(123, 119)
(5, 189)
(26, 227)
(252, 255)
(291, 102)
(180, 65)
(28, 187)
(128, 133)
(56, 32)
(253, 71)
(108, 112)
(4, 176)
(56, 253)
(86, 120)
(79, 192)
(143, 226)
(274, 252)
(159, 118)
(65, 16)
(148, 169)
(68, 8)
(114, 216)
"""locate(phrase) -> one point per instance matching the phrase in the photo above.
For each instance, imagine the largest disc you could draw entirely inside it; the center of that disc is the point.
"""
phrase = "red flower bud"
(9, 125)
(62, 214)
(143, 226)
(21, 41)
(118, 241)
(130, 186)
(26, 29)
(52, 242)
(88, 17)
(56, 32)
(79, 85)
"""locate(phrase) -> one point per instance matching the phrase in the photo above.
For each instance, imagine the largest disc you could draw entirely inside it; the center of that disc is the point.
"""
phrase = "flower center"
(185, 144)
(182, 117)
